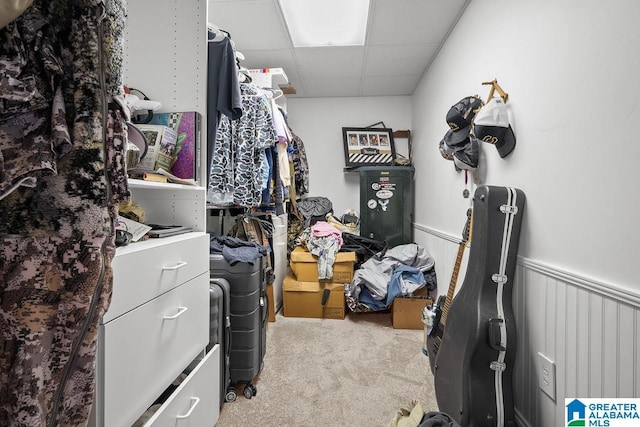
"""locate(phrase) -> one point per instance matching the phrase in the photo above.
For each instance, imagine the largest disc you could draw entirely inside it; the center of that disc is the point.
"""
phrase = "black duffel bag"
(364, 247)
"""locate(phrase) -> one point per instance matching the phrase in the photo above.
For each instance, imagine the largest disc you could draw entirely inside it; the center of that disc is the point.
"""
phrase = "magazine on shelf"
(187, 125)
(162, 147)
(136, 228)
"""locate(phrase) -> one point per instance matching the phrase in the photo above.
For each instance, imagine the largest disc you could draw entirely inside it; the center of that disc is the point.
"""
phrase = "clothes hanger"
(218, 34)
(273, 93)
(496, 87)
(243, 75)
(239, 56)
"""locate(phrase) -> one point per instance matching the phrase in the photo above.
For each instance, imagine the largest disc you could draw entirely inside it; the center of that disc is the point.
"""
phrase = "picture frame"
(368, 146)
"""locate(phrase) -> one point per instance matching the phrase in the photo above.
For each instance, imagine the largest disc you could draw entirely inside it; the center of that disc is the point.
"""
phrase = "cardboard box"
(304, 299)
(305, 266)
(407, 312)
(270, 303)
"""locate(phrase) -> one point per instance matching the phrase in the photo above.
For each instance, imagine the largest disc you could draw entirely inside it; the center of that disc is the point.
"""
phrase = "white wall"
(570, 68)
(319, 122)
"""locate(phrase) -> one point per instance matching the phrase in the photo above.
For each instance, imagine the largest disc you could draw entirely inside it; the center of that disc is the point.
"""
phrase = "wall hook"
(496, 87)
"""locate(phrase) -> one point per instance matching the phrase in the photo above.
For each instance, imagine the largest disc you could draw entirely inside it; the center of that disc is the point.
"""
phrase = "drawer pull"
(194, 403)
(177, 266)
(180, 312)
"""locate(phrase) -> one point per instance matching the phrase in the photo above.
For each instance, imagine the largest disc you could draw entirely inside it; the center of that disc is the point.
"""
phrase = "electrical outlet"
(547, 376)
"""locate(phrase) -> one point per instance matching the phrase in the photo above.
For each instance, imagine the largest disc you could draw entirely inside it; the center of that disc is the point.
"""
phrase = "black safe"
(387, 203)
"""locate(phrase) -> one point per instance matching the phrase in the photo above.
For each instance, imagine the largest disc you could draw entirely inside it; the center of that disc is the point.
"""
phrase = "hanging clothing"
(223, 88)
(283, 136)
(300, 166)
(236, 169)
(273, 188)
(277, 188)
(62, 177)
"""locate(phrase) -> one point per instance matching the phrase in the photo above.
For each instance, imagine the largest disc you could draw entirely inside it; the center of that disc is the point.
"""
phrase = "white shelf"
(153, 243)
(139, 183)
(268, 77)
(171, 204)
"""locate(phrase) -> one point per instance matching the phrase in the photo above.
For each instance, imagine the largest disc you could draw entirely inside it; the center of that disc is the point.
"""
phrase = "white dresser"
(156, 328)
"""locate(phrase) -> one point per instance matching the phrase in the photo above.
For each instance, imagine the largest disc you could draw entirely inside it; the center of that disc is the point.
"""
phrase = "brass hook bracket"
(495, 87)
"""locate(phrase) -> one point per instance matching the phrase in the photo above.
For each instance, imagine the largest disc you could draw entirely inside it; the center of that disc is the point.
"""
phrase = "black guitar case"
(474, 365)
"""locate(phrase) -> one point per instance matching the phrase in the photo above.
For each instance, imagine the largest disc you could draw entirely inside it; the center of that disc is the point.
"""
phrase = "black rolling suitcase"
(248, 314)
(220, 333)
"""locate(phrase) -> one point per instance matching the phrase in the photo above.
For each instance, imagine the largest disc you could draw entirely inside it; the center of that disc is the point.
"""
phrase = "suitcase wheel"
(231, 395)
(249, 391)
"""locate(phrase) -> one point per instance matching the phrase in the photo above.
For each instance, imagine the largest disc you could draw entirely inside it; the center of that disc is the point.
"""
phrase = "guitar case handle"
(495, 334)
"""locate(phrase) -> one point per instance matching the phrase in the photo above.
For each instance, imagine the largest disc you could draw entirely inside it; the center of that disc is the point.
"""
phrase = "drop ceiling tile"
(412, 21)
(338, 86)
(252, 24)
(398, 60)
(389, 85)
(330, 61)
(402, 37)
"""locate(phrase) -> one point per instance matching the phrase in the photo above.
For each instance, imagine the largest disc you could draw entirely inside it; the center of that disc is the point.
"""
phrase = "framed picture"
(368, 146)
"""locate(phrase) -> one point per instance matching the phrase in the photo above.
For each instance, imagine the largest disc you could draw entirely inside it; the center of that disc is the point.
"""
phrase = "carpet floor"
(330, 373)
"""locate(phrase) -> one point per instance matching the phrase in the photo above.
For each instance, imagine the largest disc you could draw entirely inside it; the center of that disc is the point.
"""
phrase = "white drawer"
(144, 270)
(196, 401)
(147, 348)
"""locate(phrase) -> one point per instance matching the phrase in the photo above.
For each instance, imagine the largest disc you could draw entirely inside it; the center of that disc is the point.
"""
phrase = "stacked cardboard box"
(407, 311)
(304, 295)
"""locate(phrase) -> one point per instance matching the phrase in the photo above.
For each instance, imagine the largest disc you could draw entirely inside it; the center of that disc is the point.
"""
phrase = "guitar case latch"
(498, 366)
(499, 278)
(509, 209)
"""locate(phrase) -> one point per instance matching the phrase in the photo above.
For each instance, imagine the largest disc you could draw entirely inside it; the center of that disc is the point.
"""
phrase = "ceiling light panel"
(315, 23)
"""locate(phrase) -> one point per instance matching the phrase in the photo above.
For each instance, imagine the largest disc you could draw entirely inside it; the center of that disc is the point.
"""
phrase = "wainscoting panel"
(588, 328)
